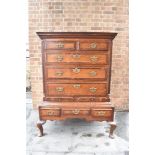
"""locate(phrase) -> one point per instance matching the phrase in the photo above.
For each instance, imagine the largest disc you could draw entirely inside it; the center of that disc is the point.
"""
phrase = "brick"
(56, 3)
(96, 28)
(57, 11)
(85, 16)
(69, 24)
(119, 29)
(108, 12)
(50, 7)
(114, 8)
(108, 4)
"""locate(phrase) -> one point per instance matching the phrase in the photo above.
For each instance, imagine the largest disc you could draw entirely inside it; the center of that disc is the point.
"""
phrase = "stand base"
(41, 130)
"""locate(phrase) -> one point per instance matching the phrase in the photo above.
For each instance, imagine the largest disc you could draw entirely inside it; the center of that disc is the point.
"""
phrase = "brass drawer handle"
(101, 112)
(92, 73)
(59, 73)
(76, 111)
(59, 58)
(60, 45)
(76, 56)
(59, 89)
(76, 85)
(94, 58)
(76, 70)
(93, 45)
(93, 89)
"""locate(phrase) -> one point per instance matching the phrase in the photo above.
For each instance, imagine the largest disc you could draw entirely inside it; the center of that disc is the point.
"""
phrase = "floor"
(76, 137)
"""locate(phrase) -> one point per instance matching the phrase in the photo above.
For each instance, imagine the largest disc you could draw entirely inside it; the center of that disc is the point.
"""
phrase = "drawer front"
(76, 73)
(78, 99)
(49, 112)
(75, 112)
(102, 112)
(60, 45)
(98, 45)
(77, 58)
(76, 89)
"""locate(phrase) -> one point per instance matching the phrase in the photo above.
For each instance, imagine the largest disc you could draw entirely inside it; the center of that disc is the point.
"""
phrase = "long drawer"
(76, 89)
(97, 58)
(76, 73)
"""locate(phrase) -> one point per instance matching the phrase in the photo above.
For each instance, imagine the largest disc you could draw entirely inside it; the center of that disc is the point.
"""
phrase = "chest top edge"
(102, 35)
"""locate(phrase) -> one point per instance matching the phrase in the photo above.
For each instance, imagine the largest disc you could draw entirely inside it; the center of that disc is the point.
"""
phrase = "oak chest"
(76, 76)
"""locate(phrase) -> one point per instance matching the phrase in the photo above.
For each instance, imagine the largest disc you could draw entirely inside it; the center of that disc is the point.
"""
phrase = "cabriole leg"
(40, 127)
(112, 128)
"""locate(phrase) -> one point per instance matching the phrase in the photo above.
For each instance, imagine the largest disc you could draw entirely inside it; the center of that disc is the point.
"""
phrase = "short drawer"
(48, 112)
(75, 111)
(102, 112)
(98, 45)
(77, 58)
(60, 45)
(76, 89)
(76, 73)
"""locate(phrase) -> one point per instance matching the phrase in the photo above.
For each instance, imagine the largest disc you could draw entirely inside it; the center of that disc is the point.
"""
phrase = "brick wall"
(81, 15)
